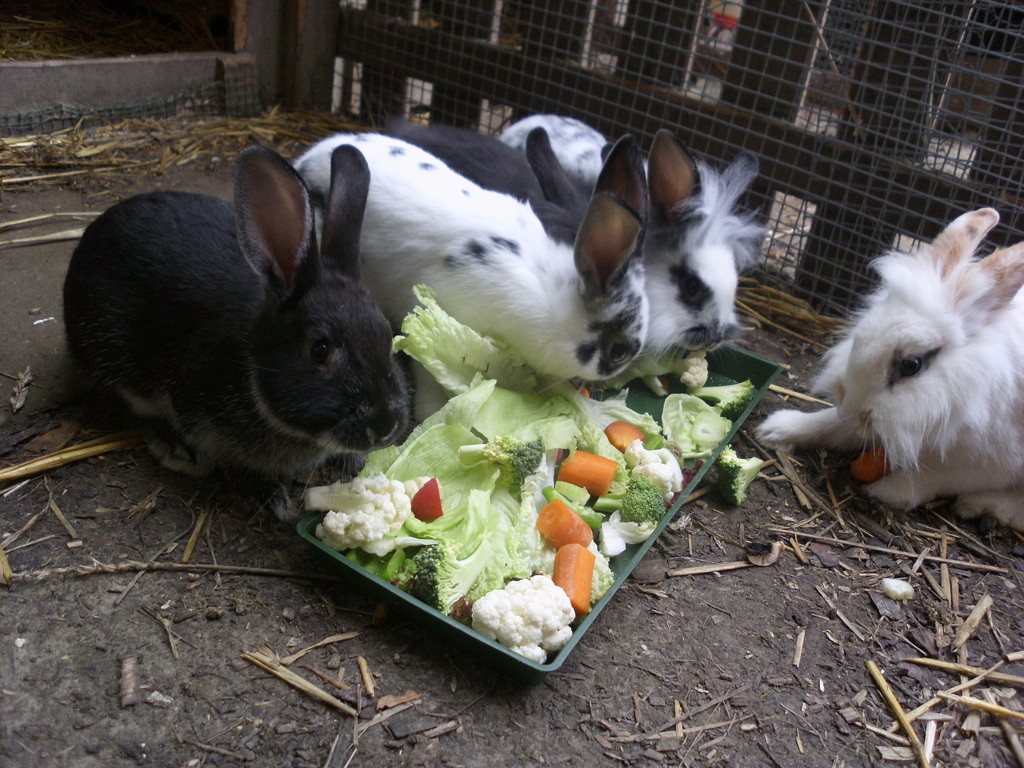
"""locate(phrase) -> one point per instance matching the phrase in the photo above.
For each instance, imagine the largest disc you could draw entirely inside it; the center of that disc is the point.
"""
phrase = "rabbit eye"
(909, 366)
(320, 352)
(692, 290)
(619, 352)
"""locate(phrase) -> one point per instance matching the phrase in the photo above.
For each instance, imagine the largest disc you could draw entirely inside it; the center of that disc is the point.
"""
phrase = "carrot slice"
(622, 433)
(870, 465)
(588, 470)
(426, 502)
(574, 573)
(561, 525)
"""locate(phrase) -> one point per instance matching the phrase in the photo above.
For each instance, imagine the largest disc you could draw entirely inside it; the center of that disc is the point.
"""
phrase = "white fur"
(420, 215)
(576, 145)
(957, 427)
(715, 243)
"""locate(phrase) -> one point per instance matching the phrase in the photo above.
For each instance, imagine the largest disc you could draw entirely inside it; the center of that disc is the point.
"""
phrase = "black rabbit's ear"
(554, 183)
(274, 220)
(672, 174)
(346, 204)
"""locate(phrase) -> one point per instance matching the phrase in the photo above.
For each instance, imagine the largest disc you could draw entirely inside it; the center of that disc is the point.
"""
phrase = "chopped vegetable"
(622, 433)
(576, 499)
(870, 466)
(561, 526)
(730, 399)
(690, 368)
(642, 502)
(897, 589)
(517, 458)
(426, 502)
(735, 475)
(693, 426)
(588, 470)
(361, 511)
(455, 354)
(659, 465)
(574, 493)
(574, 573)
(531, 617)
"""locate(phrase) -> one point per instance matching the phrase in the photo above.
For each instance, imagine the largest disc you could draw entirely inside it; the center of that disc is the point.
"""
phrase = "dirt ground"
(104, 663)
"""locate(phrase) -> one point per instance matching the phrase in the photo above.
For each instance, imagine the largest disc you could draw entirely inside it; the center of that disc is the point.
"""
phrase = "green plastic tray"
(726, 364)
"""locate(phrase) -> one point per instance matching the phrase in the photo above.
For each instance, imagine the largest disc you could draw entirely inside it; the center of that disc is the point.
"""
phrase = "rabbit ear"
(672, 174)
(613, 228)
(1005, 267)
(622, 176)
(346, 204)
(961, 238)
(274, 220)
(740, 174)
(607, 239)
(550, 175)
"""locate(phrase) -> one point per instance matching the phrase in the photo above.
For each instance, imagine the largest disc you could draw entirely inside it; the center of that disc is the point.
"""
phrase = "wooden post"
(308, 68)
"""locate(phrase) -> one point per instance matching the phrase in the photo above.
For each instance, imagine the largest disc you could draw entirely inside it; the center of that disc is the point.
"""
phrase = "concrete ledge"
(105, 83)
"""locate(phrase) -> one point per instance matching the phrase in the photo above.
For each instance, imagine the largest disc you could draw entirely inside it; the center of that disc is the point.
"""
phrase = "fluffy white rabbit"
(933, 372)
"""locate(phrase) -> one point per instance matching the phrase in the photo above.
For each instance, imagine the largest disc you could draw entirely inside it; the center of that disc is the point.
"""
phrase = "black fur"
(235, 342)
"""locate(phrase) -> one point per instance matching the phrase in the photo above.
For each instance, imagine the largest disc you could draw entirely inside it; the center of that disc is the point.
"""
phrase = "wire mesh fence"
(875, 121)
(237, 97)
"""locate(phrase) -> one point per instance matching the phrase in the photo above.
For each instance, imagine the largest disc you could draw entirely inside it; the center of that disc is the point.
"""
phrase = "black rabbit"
(235, 341)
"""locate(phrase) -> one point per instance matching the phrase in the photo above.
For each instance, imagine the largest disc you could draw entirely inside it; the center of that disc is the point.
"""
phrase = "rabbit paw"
(168, 448)
(1005, 506)
(789, 429)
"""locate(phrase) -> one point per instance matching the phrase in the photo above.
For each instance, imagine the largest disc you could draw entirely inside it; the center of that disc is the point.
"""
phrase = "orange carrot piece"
(622, 433)
(574, 573)
(561, 525)
(870, 465)
(588, 470)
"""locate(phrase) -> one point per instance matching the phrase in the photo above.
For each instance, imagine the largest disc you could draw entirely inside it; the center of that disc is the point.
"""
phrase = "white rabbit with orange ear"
(933, 372)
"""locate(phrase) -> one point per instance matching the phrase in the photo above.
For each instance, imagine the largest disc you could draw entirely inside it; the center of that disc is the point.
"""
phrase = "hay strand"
(57, 459)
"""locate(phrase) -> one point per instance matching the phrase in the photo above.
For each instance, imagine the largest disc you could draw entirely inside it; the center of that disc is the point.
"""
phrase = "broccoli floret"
(642, 502)
(517, 459)
(441, 575)
(735, 475)
(729, 399)
(693, 426)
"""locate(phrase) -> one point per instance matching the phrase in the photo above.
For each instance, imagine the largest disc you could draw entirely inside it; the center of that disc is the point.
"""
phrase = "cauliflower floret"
(661, 466)
(693, 372)
(531, 617)
(359, 512)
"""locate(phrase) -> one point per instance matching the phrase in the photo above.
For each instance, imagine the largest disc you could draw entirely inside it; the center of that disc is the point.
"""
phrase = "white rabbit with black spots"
(932, 371)
(571, 311)
(237, 343)
(699, 240)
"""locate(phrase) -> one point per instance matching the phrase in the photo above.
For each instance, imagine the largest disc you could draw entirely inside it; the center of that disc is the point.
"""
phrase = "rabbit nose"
(382, 430)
